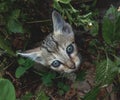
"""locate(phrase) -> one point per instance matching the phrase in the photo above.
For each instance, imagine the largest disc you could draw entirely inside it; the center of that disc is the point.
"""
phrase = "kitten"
(58, 50)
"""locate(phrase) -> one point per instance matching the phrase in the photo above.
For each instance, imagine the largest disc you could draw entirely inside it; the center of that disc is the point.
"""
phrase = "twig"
(9, 65)
(30, 84)
(41, 21)
(51, 96)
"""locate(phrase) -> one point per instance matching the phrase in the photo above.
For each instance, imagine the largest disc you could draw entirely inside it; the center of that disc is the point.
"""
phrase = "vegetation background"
(96, 23)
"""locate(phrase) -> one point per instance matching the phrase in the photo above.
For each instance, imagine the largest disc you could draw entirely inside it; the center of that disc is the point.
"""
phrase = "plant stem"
(39, 21)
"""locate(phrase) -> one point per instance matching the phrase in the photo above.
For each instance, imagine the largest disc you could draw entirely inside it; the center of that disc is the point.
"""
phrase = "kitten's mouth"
(70, 71)
(75, 66)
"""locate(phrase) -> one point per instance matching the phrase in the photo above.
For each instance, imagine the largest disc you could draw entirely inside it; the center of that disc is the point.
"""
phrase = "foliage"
(41, 96)
(117, 62)
(47, 78)
(10, 23)
(111, 26)
(6, 46)
(63, 88)
(24, 65)
(72, 14)
(92, 95)
(107, 66)
(13, 24)
(81, 76)
(7, 91)
(27, 96)
(105, 72)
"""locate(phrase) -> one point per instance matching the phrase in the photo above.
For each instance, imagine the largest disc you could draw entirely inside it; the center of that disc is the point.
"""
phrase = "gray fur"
(54, 47)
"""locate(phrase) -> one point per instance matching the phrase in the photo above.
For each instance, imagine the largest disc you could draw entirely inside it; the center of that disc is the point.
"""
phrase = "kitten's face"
(58, 50)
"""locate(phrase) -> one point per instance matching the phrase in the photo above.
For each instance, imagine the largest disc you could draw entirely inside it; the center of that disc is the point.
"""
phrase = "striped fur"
(55, 47)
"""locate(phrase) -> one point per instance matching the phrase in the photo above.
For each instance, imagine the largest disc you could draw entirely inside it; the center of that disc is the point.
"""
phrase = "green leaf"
(42, 96)
(57, 6)
(15, 14)
(61, 92)
(27, 96)
(7, 91)
(20, 71)
(69, 17)
(94, 29)
(64, 1)
(92, 95)
(63, 86)
(21, 61)
(81, 76)
(108, 30)
(111, 25)
(28, 63)
(25, 64)
(15, 26)
(3, 7)
(5, 46)
(47, 78)
(111, 10)
(105, 72)
(117, 62)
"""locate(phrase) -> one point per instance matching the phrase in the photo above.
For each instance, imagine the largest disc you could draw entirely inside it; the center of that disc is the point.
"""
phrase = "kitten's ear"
(34, 54)
(59, 25)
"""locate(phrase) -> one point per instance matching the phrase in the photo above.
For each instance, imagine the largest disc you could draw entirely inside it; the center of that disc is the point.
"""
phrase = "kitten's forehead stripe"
(54, 41)
(46, 48)
(50, 44)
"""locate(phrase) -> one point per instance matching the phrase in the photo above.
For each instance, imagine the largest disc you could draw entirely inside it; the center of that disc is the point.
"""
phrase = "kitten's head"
(58, 50)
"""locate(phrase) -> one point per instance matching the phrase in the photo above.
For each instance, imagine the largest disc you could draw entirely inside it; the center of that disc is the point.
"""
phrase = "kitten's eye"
(70, 49)
(56, 63)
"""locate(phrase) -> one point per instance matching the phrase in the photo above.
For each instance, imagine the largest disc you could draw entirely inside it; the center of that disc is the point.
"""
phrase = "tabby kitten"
(58, 50)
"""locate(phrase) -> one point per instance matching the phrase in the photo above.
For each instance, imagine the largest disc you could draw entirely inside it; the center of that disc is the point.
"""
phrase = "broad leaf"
(111, 25)
(92, 95)
(15, 26)
(47, 78)
(21, 61)
(25, 64)
(63, 86)
(20, 71)
(5, 46)
(105, 72)
(42, 96)
(7, 91)
(117, 62)
(15, 14)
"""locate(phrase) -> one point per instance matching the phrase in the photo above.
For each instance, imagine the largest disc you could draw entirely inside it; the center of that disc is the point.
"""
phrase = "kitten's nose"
(71, 64)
